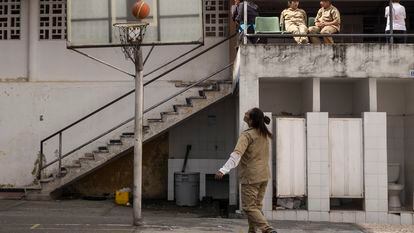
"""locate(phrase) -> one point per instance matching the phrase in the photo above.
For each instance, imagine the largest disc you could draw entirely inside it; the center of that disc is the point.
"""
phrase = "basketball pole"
(139, 108)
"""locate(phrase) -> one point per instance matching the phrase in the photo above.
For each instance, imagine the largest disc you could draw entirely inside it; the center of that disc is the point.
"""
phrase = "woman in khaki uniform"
(252, 152)
(294, 20)
(327, 21)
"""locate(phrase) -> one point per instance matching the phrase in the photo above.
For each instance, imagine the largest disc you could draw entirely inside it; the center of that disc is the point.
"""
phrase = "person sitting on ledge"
(327, 21)
(294, 20)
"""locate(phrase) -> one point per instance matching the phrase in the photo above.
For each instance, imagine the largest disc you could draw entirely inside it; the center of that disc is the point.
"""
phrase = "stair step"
(155, 120)
(115, 142)
(73, 165)
(190, 99)
(128, 134)
(47, 180)
(35, 196)
(103, 149)
(177, 106)
(169, 113)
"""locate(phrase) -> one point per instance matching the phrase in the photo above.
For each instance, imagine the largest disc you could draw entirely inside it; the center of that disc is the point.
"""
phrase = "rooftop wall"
(326, 61)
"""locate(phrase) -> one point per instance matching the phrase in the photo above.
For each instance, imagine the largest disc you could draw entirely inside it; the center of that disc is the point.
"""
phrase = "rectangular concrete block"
(314, 192)
(325, 204)
(349, 216)
(394, 219)
(290, 215)
(383, 217)
(278, 215)
(372, 217)
(325, 216)
(314, 216)
(336, 216)
(383, 205)
(371, 205)
(360, 217)
(314, 179)
(406, 219)
(302, 215)
(268, 214)
(314, 204)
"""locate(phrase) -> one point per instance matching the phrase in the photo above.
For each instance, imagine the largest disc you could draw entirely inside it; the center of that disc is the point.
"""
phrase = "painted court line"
(34, 226)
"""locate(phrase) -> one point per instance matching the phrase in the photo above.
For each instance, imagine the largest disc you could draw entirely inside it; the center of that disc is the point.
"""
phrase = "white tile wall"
(349, 216)
(318, 167)
(406, 218)
(302, 215)
(375, 172)
(394, 219)
(360, 217)
(336, 216)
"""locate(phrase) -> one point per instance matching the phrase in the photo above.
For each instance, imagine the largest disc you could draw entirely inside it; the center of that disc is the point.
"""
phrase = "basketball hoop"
(131, 36)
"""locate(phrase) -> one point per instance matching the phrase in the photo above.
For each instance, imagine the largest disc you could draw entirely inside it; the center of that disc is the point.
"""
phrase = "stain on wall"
(119, 173)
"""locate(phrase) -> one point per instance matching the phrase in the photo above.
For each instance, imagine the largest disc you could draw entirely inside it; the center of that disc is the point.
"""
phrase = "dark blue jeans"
(397, 39)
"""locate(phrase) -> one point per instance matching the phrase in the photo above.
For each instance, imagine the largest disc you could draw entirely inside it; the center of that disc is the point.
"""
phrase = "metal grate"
(52, 19)
(216, 18)
(10, 19)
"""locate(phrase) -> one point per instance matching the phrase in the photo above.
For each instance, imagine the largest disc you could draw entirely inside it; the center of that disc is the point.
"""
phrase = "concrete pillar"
(373, 97)
(375, 167)
(268, 199)
(311, 98)
(33, 37)
(318, 166)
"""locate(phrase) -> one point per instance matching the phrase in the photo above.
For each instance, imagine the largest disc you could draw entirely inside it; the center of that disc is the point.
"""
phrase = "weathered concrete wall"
(48, 60)
(326, 61)
(119, 173)
(31, 111)
(210, 132)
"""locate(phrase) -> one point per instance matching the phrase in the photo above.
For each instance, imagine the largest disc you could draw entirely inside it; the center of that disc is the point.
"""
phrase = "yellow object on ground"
(121, 198)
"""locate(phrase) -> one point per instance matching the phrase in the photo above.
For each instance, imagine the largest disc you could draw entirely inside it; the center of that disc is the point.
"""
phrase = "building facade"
(342, 115)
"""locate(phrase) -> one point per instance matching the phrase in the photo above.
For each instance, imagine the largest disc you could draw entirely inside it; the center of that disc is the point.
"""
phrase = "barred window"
(52, 19)
(216, 18)
(10, 19)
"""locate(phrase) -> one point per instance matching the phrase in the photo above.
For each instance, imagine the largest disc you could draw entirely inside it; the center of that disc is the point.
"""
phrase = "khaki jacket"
(254, 163)
(296, 17)
(329, 15)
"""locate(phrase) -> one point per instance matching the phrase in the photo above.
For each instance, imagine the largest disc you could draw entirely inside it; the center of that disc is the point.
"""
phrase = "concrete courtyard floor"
(79, 216)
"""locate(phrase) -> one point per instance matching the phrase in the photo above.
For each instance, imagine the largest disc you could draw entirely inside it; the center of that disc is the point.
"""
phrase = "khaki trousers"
(324, 30)
(301, 29)
(252, 202)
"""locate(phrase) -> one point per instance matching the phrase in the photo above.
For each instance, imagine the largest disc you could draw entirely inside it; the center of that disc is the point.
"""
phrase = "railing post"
(60, 153)
(40, 164)
(391, 22)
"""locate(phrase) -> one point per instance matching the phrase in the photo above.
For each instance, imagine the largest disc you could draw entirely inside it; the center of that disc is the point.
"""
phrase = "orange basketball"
(140, 9)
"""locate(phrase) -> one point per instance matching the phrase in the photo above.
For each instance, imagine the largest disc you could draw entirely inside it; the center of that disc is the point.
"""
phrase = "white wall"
(210, 132)
(14, 53)
(281, 96)
(409, 143)
(63, 86)
(337, 98)
(22, 104)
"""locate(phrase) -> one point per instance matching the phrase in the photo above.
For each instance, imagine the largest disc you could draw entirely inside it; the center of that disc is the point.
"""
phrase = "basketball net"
(131, 36)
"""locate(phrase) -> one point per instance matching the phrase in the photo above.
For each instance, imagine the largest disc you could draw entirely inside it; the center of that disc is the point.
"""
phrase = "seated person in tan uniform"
(294, 20)
(327, 21)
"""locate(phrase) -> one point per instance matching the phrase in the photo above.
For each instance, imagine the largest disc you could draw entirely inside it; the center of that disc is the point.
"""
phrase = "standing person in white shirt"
(398, 19)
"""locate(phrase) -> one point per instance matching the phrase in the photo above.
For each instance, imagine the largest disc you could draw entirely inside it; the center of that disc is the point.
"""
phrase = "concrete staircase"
(94, 160)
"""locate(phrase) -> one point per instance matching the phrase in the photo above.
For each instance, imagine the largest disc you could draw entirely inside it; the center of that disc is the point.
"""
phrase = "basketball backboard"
(90, 22)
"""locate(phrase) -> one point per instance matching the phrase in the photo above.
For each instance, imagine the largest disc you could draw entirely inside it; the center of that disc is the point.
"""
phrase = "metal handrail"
(132, 118)
(287, 35)
(118, 99)
(132, 91)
